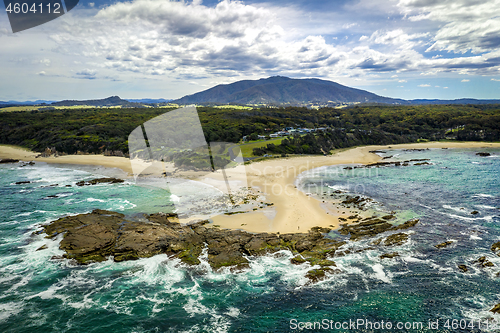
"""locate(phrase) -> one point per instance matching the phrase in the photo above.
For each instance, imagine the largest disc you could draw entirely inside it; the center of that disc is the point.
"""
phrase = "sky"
(411, 49)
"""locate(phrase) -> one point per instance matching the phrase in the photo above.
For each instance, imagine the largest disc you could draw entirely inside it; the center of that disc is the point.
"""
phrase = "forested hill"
(98, 130)
(110, 101)
(280, 90)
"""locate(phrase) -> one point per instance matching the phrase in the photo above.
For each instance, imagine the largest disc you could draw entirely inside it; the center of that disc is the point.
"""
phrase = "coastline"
(294, 210)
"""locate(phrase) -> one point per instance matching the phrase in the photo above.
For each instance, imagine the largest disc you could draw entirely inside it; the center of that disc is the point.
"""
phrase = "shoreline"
(275, 179)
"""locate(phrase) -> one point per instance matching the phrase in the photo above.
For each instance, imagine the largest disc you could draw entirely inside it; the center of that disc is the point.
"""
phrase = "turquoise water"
(160, 294)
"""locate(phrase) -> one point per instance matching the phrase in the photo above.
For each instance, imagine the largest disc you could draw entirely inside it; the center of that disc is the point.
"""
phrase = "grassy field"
(234, 107)
(19, 108)
(38, 107)
(247, 148)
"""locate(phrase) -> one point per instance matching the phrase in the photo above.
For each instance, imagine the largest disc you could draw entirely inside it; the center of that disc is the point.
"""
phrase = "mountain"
(280, 90)
(110, 101)
(149, 100)
(37, 102)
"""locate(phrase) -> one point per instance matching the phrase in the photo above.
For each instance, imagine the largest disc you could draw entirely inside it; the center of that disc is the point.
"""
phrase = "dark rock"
(396, 239)
(496, 248)
(474, 212)
(23, 182)
(483, 262)
(496, 308)
(389, 255)
(315, 275)
(99, 181)
(463, 268)
(443, 245)
(297, 260)
(483, 154)
(43, 247)
(407, 224)
(48, 152)
(373, 226)
(23, 164)
(366, 228)
(8, 160)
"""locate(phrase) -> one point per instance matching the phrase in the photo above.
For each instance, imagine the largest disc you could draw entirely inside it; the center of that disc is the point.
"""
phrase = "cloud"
(41, 73)
(465, 25)
(88, 74)
(465, 80)
(402, 81)
(495, 80)
(231, 39)
(424, 85)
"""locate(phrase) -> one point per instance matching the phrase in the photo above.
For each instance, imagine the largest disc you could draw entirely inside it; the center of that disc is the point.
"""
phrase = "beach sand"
(294, 210)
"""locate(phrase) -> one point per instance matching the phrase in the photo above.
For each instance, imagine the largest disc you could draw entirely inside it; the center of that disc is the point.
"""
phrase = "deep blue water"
(160, 294)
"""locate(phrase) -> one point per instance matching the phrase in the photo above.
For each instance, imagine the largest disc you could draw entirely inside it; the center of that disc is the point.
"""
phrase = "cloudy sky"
(408, 49)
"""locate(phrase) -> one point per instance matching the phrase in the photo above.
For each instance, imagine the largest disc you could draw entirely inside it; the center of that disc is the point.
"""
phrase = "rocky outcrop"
(483, 262)
(99, 181)
(443, 245)
(496, 308)
(496, 248)
(94, 237)
(483, 154)
(49, 152)
(389, 255)
(420, 161)
(102, 234)
(395, 239)
(463, 268)
(372, 226)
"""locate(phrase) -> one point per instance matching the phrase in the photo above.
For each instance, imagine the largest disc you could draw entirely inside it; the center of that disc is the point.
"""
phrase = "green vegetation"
(95, 130)
(247, 149)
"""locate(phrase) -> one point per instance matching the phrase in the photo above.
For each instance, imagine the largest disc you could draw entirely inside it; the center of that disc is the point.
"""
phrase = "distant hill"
(454, 101)
(149, 100)
(280, 90)
(110, 101)
(37, 102)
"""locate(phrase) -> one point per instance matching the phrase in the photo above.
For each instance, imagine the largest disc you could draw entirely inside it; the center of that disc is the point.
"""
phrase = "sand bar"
(295, 211)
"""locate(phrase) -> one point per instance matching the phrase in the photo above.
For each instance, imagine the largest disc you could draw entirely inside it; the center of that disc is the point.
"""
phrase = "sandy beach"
(294, 210)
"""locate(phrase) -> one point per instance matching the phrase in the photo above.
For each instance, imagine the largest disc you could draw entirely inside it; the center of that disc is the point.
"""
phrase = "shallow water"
(160, 294)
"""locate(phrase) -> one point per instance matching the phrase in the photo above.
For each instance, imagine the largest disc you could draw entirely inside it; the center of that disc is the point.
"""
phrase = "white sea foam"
(482, 195)
(456, 209)
(94, 200)
(378, 269)
(485, 207)
(9, 309)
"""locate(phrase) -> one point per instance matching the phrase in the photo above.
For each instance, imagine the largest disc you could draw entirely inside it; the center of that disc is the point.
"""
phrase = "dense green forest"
(96, 130)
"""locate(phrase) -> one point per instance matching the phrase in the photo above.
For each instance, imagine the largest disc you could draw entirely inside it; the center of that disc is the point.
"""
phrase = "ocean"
(417, 290)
